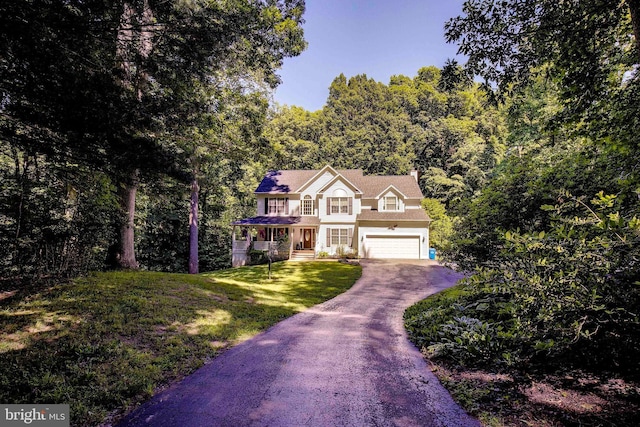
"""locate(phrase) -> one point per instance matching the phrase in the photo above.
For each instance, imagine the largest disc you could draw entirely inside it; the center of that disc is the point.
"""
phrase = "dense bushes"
(570, 293)
(522, 184)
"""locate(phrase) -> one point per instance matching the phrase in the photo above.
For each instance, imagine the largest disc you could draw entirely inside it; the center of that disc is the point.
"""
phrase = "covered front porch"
(283, 237)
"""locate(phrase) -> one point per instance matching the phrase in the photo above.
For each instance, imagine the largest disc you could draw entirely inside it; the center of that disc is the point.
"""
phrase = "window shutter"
(266, 205)
(328, 237)
(350, 205)
(350, 237)
(286, 206)
(328, 205)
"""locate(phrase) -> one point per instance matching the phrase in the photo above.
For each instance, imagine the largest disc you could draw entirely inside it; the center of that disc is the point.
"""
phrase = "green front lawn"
(108, 341)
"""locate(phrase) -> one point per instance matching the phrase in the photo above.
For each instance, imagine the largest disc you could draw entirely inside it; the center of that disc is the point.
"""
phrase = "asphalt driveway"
(346, 362)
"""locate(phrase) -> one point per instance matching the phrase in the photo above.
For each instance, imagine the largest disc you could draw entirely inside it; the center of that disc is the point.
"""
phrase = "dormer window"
(307, 206)
(390, 203)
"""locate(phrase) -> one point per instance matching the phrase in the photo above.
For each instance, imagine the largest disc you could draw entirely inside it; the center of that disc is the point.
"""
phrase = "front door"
(308, 238)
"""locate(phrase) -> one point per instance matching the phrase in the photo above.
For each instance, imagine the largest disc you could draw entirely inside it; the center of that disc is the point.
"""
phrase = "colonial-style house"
(329, 211)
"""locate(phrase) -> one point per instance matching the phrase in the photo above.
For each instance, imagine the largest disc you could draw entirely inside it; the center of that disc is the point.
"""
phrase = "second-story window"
(277, 206)
(339, 205)
(307, 205)
(391, 203)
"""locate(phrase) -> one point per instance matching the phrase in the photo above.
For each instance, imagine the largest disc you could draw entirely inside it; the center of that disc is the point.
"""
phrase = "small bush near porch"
(108, 341)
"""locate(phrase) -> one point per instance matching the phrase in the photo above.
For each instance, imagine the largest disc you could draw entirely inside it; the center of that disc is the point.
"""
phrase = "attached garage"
(407, 247)
(399, 235)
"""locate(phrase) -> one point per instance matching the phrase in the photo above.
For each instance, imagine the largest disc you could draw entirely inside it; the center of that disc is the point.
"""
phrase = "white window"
(390, 203)
(340, 205)
(307, 205)
(339, 236)
(277, 206)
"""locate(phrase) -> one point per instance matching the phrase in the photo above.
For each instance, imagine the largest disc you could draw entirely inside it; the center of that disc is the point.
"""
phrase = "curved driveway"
(346, 362)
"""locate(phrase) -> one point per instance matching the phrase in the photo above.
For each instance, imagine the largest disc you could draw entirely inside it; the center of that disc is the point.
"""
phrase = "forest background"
(105, 134)
(133, 133)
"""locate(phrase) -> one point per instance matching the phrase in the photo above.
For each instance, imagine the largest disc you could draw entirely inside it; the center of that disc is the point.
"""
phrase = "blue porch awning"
(278, 221)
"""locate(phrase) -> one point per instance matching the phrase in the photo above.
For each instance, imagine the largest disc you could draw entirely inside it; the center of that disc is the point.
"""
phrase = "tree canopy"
(114, 85)
(449, 132)
(552, 235)
(591, 48)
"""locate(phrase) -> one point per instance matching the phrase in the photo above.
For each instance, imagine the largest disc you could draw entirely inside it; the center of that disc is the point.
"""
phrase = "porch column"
(291, 238)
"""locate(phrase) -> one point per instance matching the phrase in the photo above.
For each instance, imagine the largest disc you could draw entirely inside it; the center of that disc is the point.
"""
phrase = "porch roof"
(278, 220)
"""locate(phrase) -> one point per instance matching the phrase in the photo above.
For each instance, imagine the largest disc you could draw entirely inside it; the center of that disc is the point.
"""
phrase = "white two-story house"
(329, 211)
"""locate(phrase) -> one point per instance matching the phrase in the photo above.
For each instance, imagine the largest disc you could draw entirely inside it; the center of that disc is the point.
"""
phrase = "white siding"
(321, 242)
(322, 202)
(294, 205)
(320, 182)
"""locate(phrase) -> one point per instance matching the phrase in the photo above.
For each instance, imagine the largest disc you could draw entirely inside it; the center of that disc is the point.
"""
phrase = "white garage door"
(393, 247)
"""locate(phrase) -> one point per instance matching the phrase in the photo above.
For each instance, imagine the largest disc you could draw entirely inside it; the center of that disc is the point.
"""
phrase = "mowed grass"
(108, 341)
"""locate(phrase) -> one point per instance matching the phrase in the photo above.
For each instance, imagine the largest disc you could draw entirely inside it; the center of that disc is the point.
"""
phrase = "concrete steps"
(303, 255)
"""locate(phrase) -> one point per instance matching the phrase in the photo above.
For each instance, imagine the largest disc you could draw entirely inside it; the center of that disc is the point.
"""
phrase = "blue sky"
(379, 38)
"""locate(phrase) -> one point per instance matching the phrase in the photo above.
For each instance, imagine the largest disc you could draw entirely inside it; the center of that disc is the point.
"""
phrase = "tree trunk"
(134, 44)
(127, 255)
(193, 228)
(634, 8)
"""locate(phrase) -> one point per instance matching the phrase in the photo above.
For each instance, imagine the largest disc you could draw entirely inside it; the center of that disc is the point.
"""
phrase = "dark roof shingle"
(284, 181)
(290, 181)
(408, 215)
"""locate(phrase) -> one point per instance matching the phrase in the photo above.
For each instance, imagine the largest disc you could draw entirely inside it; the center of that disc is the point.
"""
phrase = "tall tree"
(453, 137)
(461, 136)
(228, 129)
(366, 127)
(103, 79)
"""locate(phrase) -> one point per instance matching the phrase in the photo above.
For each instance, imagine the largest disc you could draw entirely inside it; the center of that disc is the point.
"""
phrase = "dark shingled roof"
(284, 181)
(418, 215)
(371, 186)
(290, 181)
(278, 220)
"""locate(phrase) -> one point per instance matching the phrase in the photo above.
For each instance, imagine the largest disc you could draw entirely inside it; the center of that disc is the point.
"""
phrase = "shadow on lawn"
(106, 342)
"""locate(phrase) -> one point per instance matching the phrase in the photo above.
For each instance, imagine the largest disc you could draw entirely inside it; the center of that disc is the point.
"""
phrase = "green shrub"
(257, 257)
(571, 293)
(441, 227)
(465, 338)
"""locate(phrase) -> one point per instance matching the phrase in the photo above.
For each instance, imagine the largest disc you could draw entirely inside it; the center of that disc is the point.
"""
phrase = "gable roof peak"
(391, 187)
(316, 175)
(341, 177)
(288, 181)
